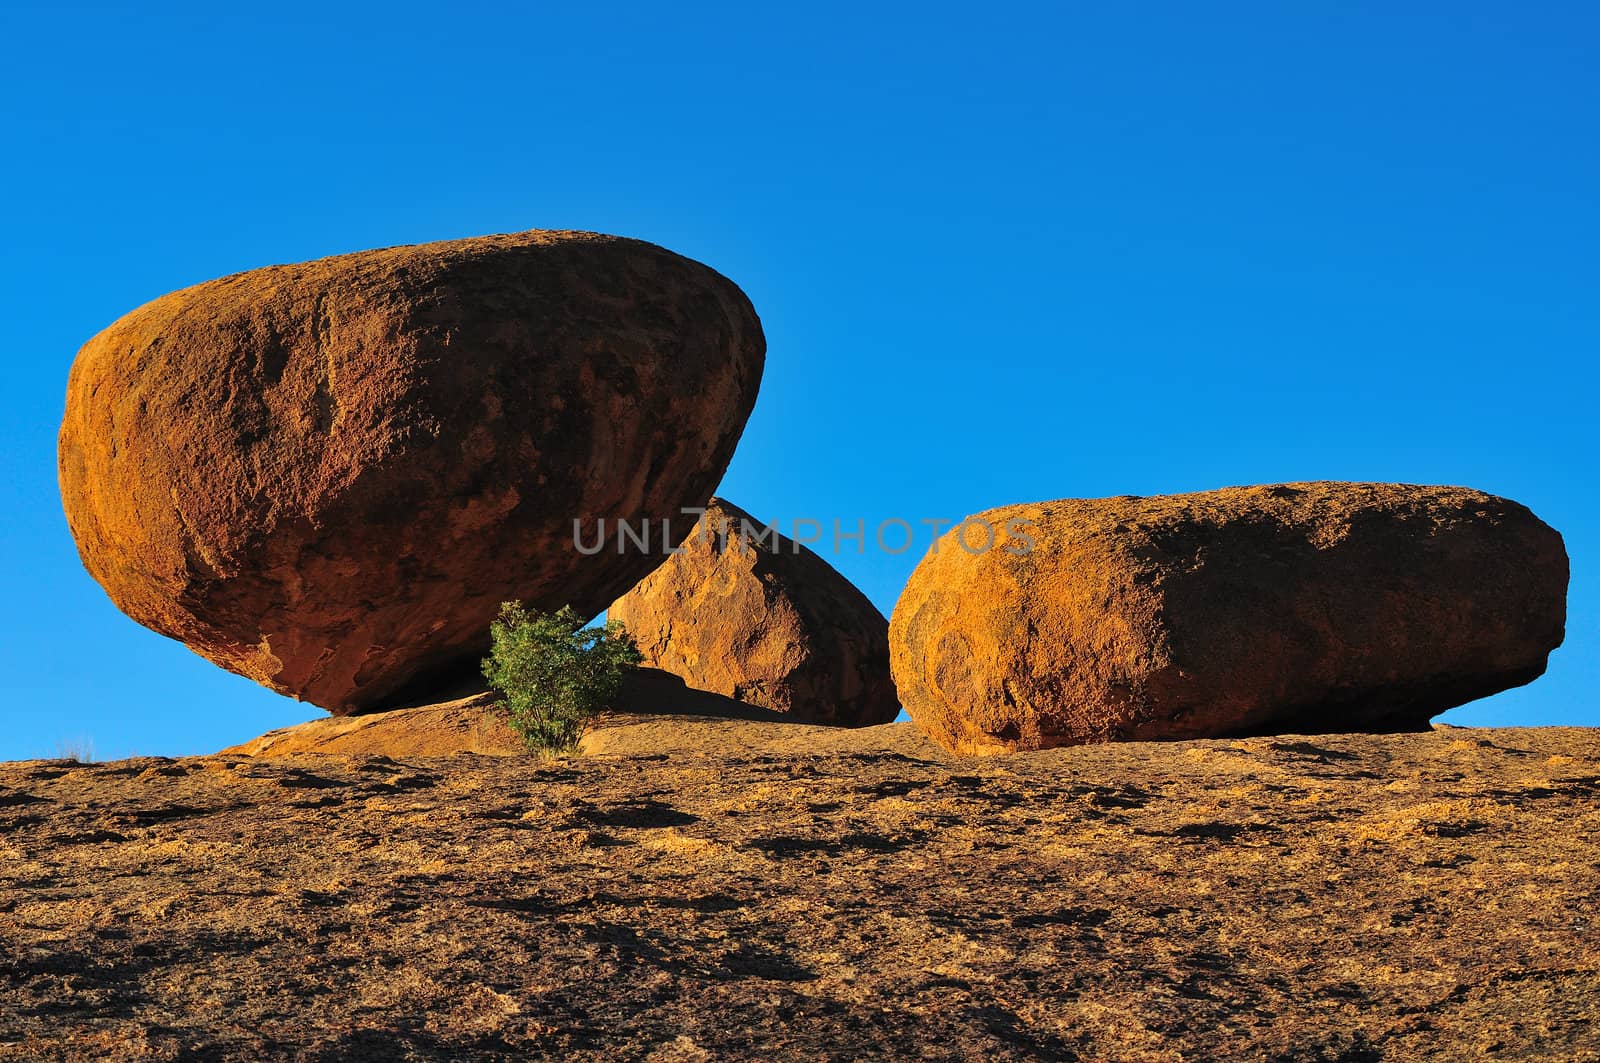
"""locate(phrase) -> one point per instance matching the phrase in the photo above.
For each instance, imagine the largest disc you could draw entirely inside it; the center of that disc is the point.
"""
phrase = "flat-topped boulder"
(1297, 608)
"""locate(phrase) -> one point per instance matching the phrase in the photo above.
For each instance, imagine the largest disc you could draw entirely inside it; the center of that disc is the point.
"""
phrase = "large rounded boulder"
(1298, 608)
(327, 476)
(743, 611)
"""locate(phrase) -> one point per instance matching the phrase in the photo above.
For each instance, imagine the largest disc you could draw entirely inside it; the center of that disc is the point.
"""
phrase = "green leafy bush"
(553, 673)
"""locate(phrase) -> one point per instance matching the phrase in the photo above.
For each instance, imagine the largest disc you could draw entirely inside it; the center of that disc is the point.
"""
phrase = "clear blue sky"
(1002, 253)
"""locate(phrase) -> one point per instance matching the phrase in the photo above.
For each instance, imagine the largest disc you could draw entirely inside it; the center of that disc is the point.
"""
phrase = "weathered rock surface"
(1398, 897)
(463, 725)
(1304, 608)
(764, 620)
(327, 476)
(654, 714)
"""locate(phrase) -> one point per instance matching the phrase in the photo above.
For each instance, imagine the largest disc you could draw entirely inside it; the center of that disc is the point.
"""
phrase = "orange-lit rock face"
(765, 624)
(327, 476)
(1299, 608)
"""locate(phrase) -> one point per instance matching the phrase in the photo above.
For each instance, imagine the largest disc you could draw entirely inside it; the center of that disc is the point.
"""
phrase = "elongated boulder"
(747, 613)
(327, 476)
(1298, 608)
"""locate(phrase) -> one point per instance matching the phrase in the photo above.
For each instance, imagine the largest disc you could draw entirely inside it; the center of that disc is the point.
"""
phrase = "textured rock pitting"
(1397, 897)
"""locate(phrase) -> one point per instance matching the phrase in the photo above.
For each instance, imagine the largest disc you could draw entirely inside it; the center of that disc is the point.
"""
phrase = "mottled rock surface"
(762, 619)
(462, 725)
(327, 476)
(1399, 897)
(1296, 608)
(655, 713)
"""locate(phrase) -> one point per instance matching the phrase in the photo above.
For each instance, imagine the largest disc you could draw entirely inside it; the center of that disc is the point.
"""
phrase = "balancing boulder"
(328, 476)
(1299, 608)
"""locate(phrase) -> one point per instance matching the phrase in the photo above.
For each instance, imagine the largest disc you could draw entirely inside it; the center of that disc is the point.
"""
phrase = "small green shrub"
(553, 673)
